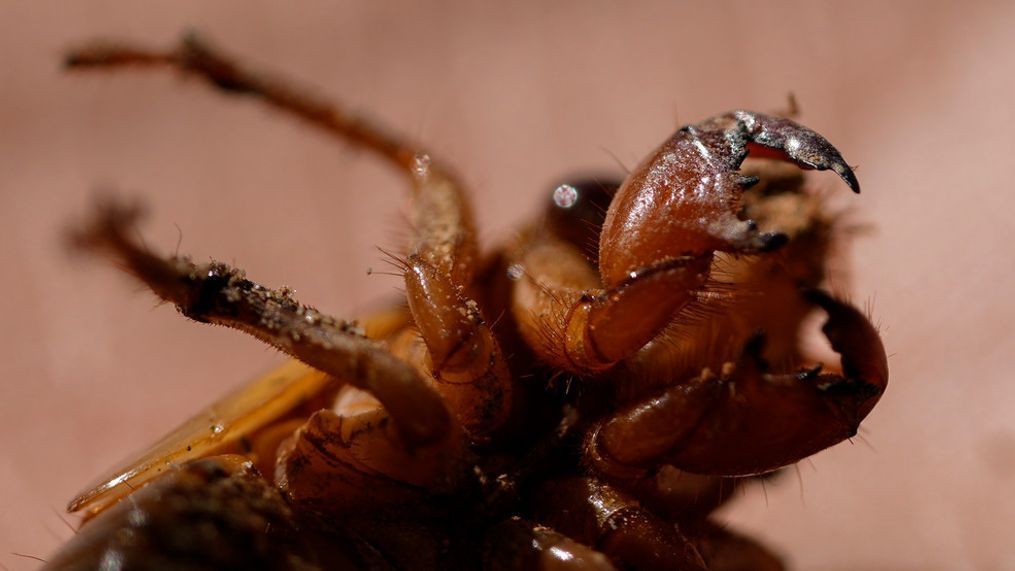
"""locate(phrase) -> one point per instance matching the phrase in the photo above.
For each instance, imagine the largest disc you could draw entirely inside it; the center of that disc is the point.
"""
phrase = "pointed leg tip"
(846, 173)
(72, 60)
(748, 181)
(792, 141)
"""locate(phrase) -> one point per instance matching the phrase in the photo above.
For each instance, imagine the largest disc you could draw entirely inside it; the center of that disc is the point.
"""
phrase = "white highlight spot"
(421, 165)
(515, 272)
(111, 561)
(560, 554)
(565, 196)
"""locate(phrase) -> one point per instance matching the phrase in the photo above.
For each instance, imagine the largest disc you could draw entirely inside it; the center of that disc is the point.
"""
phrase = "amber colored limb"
(632, 442)
(338, 463)
(444, 234)
(658, 239)
(444, 238)
(596, 514)
(219, 294)
(520, 545)
(574, 324)
(683, 199)
(723, 425)
(550, 279)
(681, 496)
(747, 294)
(455, 347)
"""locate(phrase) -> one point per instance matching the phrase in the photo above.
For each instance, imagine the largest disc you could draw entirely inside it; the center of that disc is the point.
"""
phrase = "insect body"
(428, 438)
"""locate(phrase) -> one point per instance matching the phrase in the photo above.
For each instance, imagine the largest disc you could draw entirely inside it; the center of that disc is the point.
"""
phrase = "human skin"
(514, 98)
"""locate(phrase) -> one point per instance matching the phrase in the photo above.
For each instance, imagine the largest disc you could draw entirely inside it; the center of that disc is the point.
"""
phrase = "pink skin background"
(515, 95)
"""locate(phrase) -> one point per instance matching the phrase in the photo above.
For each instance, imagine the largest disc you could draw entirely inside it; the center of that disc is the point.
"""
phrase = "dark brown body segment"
(207, 515)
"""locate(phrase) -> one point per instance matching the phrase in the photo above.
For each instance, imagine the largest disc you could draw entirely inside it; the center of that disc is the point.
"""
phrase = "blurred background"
(918, 94)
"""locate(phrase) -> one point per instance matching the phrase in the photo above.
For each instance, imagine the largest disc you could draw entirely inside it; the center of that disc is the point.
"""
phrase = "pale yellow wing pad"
(218, 428)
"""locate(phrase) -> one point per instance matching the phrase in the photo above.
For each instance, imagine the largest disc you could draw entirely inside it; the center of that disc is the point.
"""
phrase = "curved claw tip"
(800, 144)
(846, 173)
(854, 337)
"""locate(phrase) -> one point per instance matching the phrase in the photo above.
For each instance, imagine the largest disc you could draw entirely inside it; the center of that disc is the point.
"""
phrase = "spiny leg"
(596, 514)
(219, 294)
(464, 356)
(723, 425)
(659, 237)
(344, 461)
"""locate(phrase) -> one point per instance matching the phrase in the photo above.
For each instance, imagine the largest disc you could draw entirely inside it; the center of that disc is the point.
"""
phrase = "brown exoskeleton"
(425, 438)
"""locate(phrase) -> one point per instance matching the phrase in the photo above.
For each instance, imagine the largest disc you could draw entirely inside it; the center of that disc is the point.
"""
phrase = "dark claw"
(856, 340)
(804, 146)
(684, 199)
(748, 181)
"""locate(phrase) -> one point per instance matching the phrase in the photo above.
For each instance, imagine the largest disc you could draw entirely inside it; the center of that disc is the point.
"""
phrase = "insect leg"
(518, 545)
(347, 461)
(723, 424)
(682, 496)
(663, 229)
(594, 513)
(746, 294)
(573, 323)
(219, 294)
(466, 360)
(444, 234)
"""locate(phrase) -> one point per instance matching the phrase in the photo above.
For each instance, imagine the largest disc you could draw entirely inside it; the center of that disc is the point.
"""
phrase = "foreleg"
(746, 420)
(659, 236)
